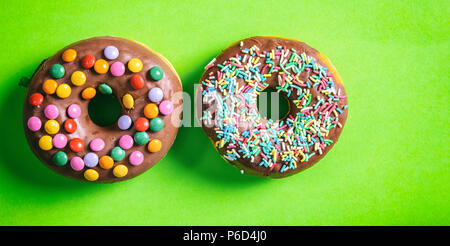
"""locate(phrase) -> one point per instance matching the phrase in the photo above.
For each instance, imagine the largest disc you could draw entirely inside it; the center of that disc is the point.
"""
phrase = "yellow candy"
(63, 91)
(88, 93)
(69, 55)
(135, 65)
(49, 86)
(91, 175)
(51, 126)
(78, 78)
(106, 162)
(151, 110)
(45, 142)
(120, 171)
(128, 101)
(101, 66)
(154, 145)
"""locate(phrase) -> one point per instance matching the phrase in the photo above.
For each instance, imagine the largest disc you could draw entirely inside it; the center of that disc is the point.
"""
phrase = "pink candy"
(166, 107)
(117, 69)
(74, 111)
(51, 111)
(59, 141)
(136, 158)
(97, 144)
(77, 163)
(34, 123)
(126, 142)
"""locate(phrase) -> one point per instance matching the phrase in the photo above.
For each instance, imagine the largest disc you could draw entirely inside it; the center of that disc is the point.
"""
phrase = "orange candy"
(151, 110)
(154, 145)
(101, 66)
(49, 86)
(88, 93)
(106, 162)
(69, 55)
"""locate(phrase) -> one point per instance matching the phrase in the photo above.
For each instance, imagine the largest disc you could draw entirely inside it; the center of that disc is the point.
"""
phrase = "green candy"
(141, 138)
(57, 71)
(156, 124)
(156, 73)
(60, 158)
(118, 153)
(105, 89)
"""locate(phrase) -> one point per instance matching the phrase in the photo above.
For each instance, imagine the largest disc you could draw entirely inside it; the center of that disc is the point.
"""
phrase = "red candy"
(88, 61)
(137, 82)
(36, 99)
(70, 125)
(141, 124)
(76, 145)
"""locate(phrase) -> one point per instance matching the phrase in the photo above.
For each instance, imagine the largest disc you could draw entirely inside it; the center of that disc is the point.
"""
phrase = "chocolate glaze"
(87, 130)
(267, 43)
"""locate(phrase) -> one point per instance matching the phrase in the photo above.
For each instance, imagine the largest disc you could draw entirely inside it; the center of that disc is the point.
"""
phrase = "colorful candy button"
(90, 159)
(63, 90)
(117, 153)
(105, 89)
(117, 69)
(51, 111)
(34, 123)
(128, 101)
(69, 55)
(88, 93)
(141, 138)
(120, 171)
(51, 127)
(74, 111)
(59, 141)
(156, 124)
(45, 142)
(124, 122)
(60, 158)
(137, 82)
(88, 61)
(49, 86)
(156, 73)
(77, 163)
(111, 52)
(155, 95)
(141, 124)
(135, 65)
(101, 66)
(76, 145)
(70, 125)
(57, 71)
(91, 175)
(151, 110)
(126, 142)
(36, 99)
(97, 144)
(166, 107)
(154, 145)
(106, 162)
(136, 158)
(78, 78)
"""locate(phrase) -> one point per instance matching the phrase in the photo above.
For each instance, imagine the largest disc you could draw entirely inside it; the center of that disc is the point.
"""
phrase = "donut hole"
(272, 104)
(104, 110)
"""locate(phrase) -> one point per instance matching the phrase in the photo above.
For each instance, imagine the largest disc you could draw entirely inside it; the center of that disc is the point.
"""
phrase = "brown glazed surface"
(87, 130)
(267, 43)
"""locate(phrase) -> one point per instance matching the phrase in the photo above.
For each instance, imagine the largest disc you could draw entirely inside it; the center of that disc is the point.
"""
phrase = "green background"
(390, 167)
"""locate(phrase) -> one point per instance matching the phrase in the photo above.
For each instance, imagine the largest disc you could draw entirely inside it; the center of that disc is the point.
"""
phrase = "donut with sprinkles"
(57, 123)
(258, 145)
